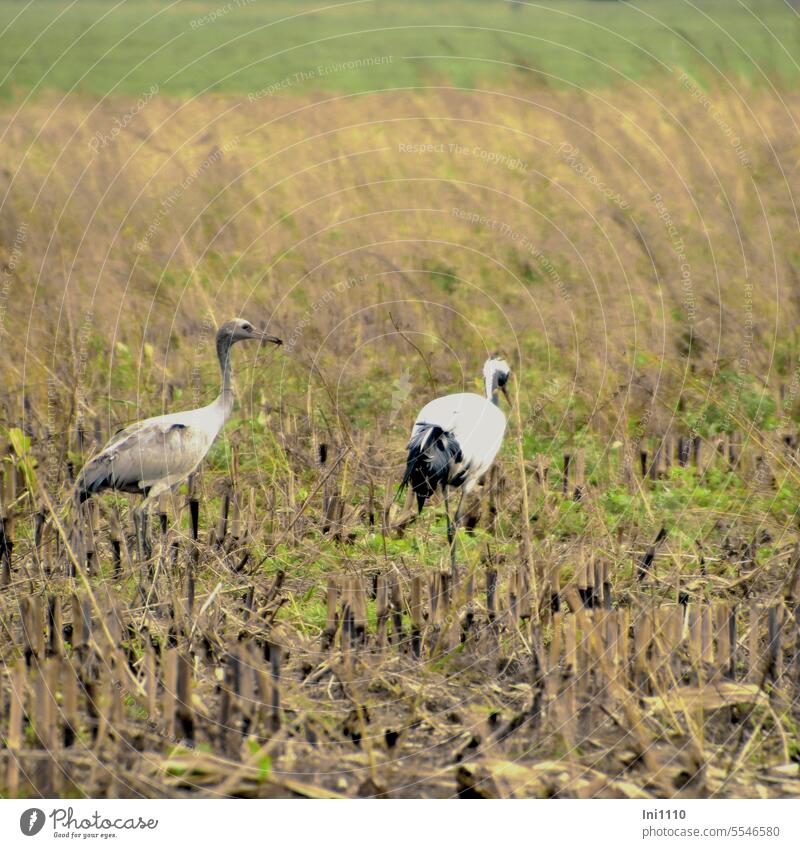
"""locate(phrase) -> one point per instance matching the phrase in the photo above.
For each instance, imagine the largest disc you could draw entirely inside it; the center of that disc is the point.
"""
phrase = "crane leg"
(143, 514)
(456, 525)
(457, 519)
(452, 529)
(140, 523)
(447, 515)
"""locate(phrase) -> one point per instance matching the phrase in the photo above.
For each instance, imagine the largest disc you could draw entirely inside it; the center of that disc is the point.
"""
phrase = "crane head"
(496, 372)
(239, 330)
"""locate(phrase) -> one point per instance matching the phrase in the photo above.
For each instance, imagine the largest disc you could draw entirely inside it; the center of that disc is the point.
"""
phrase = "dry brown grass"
(311, 193)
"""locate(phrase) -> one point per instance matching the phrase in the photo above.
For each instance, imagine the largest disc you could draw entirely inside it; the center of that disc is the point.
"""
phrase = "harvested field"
(195, 673)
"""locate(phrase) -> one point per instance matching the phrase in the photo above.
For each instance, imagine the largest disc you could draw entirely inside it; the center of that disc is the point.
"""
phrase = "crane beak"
(265, 337)
(504, 390)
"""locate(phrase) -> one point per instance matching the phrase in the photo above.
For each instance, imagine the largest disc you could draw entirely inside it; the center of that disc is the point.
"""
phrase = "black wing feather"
(432, 453)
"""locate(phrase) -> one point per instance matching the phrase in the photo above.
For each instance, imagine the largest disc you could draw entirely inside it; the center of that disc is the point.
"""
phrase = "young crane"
(154, 455)
(454, 442)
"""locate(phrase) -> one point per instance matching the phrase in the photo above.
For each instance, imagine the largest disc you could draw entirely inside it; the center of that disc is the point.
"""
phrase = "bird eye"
(248, 328)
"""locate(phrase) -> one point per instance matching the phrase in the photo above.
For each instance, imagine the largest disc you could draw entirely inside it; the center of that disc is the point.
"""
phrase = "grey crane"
(154, 455)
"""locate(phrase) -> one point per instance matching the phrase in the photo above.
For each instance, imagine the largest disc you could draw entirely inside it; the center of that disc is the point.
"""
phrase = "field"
(622, 225)
(192, 48)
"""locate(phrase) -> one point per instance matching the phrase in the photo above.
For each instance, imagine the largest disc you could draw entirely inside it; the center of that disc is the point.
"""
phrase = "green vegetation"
(190, 48)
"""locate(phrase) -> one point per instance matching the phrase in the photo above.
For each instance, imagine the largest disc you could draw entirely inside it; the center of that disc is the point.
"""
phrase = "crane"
(152, 456)
(454, 441)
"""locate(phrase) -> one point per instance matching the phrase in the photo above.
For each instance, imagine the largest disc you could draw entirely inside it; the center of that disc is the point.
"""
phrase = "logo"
(31, 821)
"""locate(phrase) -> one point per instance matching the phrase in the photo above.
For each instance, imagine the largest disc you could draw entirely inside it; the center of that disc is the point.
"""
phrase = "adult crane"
(454, 441)
(154, 455)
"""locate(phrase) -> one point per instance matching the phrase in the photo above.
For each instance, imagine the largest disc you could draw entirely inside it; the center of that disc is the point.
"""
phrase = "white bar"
(408, 824)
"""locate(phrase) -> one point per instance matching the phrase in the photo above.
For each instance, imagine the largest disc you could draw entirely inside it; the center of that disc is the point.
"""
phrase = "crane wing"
(475, 424)
(143, 454)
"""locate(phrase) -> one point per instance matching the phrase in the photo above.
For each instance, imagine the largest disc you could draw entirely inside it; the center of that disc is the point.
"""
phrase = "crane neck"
(226, 396)
(491, 388)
